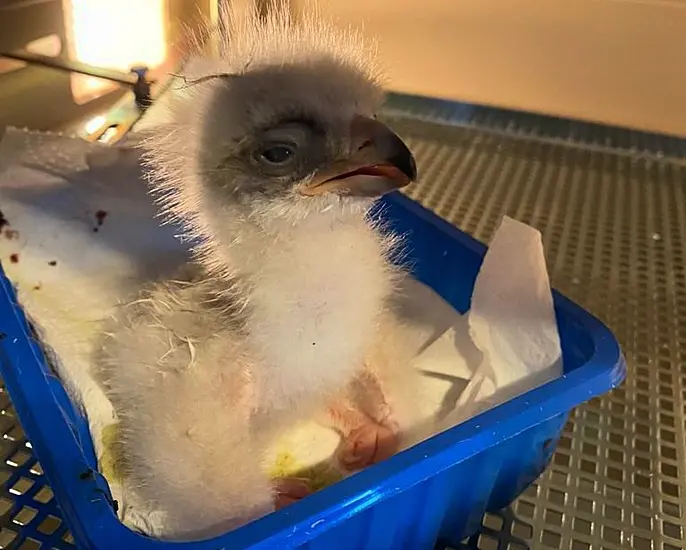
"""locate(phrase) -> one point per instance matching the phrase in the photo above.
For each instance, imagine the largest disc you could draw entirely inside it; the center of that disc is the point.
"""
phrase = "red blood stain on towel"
(100, 216)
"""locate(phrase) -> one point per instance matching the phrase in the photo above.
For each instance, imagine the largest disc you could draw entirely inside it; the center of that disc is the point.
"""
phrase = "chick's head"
(280, 127)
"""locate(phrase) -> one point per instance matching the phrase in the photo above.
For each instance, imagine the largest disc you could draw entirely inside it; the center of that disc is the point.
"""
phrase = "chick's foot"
(363, 441)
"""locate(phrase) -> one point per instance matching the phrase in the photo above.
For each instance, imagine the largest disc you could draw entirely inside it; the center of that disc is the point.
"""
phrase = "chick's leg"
(379, 407)
(368, 394)
(389, 388)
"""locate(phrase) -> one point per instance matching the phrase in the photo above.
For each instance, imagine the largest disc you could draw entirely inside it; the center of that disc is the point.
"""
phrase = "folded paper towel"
(511, 322)
(79, 236)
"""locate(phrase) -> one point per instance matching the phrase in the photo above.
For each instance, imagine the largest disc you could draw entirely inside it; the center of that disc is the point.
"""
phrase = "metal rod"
(136, 79)
(69, 65)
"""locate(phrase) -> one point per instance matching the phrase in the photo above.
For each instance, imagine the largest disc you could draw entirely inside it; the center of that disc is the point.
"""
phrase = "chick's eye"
(278, 154)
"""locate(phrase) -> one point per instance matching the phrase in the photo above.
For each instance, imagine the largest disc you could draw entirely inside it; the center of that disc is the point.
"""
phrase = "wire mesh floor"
(611, 205)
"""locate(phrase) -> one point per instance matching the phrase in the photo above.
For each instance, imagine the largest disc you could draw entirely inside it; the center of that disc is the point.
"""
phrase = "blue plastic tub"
(439, 489)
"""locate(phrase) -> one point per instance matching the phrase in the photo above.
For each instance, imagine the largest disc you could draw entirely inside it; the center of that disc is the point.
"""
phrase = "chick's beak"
(380, 163)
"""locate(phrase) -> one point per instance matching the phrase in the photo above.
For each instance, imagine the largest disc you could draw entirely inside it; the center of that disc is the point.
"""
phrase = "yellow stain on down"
(319, 475)
(111, 461)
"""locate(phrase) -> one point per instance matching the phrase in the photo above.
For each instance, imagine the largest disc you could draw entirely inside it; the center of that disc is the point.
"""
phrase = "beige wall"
(615, 61)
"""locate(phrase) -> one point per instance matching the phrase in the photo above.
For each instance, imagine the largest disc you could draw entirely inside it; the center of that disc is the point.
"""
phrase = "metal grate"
(29, 517)
(614, 224)
(534, 126)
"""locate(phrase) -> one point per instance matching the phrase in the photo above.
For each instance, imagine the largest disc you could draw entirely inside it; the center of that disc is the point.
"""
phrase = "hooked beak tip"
(380, 165)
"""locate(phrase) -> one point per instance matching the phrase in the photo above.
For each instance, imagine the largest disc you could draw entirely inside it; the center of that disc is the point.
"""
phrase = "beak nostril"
(365, 144)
